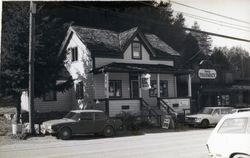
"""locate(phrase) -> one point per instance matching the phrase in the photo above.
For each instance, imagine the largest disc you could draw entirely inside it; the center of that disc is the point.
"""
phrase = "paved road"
(186, 144)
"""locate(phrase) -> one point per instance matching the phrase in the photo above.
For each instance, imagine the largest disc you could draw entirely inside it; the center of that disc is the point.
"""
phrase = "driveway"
(184, 144)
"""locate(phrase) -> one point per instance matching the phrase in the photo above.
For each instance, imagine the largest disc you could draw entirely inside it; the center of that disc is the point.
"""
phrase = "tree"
(204, 40)
(14, 68)
(219, 58)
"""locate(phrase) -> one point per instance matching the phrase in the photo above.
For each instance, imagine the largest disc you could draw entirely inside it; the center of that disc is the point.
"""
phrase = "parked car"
(208, 116)
(241, 110)
(231, 137)
(82, 122)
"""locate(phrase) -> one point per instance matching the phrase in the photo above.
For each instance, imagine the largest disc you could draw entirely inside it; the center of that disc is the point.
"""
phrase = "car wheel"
(241, 156)
(204, 123)
(65, 133)
(108, 131)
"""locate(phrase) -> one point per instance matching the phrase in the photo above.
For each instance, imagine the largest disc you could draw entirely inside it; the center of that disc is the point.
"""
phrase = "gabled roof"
(106, 42)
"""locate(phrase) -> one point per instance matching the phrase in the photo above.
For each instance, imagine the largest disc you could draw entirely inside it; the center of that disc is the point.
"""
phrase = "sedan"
(231, 137)
(82, 122)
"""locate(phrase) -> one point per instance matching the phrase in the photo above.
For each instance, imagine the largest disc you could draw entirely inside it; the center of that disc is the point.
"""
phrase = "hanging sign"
(145, 81)
(207, 74)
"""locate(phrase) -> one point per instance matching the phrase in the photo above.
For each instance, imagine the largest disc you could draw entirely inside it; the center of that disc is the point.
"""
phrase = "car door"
(100, 121)
(216, 116)
(85, 123)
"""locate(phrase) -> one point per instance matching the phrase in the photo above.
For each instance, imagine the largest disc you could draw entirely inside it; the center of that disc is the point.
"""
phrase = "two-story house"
(118, 71)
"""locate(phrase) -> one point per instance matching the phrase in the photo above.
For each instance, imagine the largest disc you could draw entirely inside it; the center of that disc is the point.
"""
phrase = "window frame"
(115, 88)
(132, 50)
(74, 53)
(79, 90)
(54, 97)
(153, 90)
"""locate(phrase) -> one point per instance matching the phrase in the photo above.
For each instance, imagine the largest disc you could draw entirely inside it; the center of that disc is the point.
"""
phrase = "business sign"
(207, 74)
(145, 81)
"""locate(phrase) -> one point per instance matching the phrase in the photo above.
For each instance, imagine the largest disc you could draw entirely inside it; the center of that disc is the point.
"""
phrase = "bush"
(129, 121)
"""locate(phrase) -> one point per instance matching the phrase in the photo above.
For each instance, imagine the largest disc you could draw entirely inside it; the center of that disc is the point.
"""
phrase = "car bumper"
(193, 122)
(45, 130)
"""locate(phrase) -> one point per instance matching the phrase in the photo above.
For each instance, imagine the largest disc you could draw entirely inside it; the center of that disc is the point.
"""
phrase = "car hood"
(198, 116)
(59, 121)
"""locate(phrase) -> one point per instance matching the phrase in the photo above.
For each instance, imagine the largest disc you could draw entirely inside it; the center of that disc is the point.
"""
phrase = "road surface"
(185, 144)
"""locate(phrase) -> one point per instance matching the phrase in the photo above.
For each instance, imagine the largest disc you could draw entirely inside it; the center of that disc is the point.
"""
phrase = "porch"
(139, 89)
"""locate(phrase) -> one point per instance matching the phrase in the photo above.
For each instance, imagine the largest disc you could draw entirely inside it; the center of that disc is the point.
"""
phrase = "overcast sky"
(237, 9)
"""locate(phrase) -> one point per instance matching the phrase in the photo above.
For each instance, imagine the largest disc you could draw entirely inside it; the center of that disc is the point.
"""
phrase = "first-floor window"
(79, 90)
(115, 88)
(50, 96)
(163, 88)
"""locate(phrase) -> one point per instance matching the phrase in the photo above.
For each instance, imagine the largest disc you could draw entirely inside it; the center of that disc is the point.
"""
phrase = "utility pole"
(31, 65)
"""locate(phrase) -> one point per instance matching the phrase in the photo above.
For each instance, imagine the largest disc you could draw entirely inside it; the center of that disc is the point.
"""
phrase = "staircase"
(157, 114)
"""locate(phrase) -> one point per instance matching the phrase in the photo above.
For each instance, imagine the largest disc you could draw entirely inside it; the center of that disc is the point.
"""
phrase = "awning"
(140, 68)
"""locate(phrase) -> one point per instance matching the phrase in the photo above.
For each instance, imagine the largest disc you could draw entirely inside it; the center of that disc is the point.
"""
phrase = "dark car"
(82, 122)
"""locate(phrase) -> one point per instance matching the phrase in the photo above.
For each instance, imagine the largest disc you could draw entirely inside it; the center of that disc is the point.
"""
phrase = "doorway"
(134, 86)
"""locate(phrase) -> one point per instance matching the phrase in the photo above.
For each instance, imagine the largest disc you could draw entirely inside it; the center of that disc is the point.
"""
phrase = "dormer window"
(136, 50)
(74, 53)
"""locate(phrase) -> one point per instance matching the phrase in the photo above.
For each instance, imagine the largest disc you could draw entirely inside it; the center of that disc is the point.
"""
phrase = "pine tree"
(204, 40)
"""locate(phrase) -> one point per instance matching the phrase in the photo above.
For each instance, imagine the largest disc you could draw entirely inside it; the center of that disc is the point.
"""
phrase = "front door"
(134, 89)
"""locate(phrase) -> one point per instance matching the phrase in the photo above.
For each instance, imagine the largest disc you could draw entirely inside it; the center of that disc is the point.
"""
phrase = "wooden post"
(106, 82)
(1, 6)
(158, 86)
(140, 90)
(31, 65)
(189, 86)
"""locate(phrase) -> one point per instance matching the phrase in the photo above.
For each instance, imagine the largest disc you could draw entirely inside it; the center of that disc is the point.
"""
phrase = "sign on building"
(207, 74)
(145, 81)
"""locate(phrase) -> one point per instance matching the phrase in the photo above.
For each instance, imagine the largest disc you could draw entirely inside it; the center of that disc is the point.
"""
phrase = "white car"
(208, 116)
(231, 137)
(241, 110)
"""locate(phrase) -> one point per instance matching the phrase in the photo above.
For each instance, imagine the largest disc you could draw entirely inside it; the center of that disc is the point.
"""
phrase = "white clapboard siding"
(115, 107)
(99, 89)
(128, 59)
(63, 103)
(183, 103)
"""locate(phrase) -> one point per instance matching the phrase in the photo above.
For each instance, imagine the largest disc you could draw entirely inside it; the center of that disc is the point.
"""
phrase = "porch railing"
(165, 107)
(151, 112)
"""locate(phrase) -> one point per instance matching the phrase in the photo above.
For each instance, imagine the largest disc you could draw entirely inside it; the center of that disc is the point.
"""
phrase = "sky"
(237, 9)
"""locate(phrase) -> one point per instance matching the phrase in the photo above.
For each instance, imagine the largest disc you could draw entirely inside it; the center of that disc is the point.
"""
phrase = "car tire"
(241, 156)
(108, 131)
(204, 123)
(65, 133)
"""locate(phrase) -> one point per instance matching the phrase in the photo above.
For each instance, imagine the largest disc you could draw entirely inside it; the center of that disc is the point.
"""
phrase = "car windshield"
(72, 115)
(207, 111)
(234, 125)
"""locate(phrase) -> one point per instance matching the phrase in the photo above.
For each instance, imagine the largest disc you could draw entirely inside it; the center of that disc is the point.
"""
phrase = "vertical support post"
(31, 65)
(158, 86)
(189, 86)
(106, 84)
(175, 86)
(140, 90)
(1, 6)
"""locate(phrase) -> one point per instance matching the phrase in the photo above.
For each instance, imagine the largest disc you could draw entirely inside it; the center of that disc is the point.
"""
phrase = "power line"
(227, 17)
(224, 22)
(215, 34)
(216, 23)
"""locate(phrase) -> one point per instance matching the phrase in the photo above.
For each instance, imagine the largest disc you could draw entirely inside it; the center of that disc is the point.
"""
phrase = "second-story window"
(136, 50)
(74, 53)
